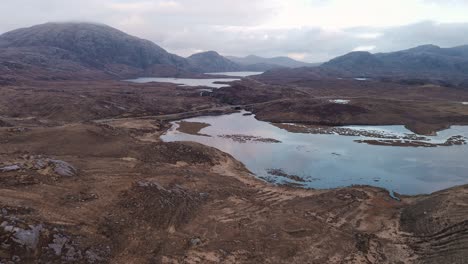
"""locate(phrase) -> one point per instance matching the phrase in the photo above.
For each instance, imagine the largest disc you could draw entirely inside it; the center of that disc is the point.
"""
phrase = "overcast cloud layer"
(309, 30)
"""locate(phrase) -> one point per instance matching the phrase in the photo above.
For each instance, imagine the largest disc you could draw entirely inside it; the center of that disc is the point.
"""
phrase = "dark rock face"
(211, 61)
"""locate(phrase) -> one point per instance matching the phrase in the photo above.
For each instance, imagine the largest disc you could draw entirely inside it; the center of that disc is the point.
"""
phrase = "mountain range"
(86, 50)
(54, 51)
(427, 61)
(253, 62)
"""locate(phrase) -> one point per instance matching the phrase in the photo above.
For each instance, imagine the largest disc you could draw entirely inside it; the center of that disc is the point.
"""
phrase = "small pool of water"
(330, 161)
(212, 83)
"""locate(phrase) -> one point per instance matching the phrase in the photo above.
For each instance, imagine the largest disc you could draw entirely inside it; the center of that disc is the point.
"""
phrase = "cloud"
(312, 30)
(297, 56)
(369, 35)
(365, 48)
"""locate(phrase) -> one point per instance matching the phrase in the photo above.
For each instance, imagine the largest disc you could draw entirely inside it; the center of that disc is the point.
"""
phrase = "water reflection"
(212, 83)
(235, 74)
(329, 161)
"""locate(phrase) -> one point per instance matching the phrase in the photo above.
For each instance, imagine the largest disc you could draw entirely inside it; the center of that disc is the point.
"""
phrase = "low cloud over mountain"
(303, 30)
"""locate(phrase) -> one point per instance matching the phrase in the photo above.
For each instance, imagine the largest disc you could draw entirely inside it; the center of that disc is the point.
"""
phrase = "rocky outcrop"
(25, 240)
(45, 166)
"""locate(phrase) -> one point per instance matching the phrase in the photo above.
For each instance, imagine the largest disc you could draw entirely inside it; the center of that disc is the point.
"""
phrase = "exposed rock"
(195, 242)
(27, 236)
(63, 168)
(18, 129)
(39, 243)
(9, 168)
(43, 165)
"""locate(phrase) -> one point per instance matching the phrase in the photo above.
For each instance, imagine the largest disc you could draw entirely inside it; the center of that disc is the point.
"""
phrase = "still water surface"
(236, 74)
(186, 82)
(329, 161)
(212, 83)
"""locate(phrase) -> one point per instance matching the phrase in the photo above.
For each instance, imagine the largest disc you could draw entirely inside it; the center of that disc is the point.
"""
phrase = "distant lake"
(330, 161)
(236, 74)
(212, 83)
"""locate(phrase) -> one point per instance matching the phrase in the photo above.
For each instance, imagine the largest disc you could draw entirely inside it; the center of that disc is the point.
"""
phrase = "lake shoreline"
(385, 142)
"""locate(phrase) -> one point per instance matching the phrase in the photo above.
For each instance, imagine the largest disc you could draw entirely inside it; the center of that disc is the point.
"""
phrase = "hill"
(426, 61)
(211, 61)
(70, 49)
(270, 63)
(61, 51)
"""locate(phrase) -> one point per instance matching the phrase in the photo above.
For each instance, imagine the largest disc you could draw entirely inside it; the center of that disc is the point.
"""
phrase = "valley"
(296, 165)
(129, 180)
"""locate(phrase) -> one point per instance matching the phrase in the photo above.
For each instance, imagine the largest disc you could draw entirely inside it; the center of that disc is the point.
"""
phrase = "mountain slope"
(424, 61)
(211, 61)
(89, 47)
(275, 62)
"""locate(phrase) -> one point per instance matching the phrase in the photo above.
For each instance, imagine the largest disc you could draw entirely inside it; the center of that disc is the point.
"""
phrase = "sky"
(308, 30)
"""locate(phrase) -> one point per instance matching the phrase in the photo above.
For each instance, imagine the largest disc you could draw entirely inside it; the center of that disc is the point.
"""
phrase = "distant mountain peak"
(426, 61)
(270, 63)
(359, 53)
(212, 61)
(424, 48)
(77, 23)
(356, 60)
(254, 57)
(205, 53)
